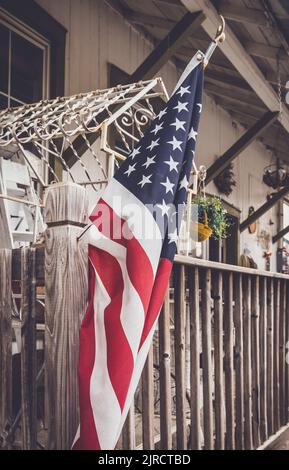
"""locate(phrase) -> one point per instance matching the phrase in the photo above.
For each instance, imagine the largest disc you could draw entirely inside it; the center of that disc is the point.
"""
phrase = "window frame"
(45, 28)
(19, 28)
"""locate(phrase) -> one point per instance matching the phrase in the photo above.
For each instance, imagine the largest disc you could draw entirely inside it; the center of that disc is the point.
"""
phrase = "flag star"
(145, 180)
(200, 107)
(157, 128)
(176, 143)
(164, 208)
(130, 169)
(154, 143)
(162, 113)
(150, 161)
(169, 186)
(192, 134)
(179, 124)
(135, 152)
(184, 183)
(173, 237)
(172, 164)
(183, 90)
(181, 107)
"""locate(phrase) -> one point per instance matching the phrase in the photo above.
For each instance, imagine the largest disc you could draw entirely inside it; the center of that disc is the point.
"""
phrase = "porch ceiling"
(261, 26)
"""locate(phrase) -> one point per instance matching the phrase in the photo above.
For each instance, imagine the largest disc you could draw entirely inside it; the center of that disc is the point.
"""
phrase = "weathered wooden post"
(5, 342)
(66, 285)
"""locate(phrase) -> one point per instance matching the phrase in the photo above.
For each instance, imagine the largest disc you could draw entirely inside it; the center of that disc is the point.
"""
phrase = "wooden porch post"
(66, 297)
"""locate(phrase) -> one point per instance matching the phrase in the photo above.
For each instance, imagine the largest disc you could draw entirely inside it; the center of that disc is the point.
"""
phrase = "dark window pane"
(4, 54)
(26, 70)
(3, 102)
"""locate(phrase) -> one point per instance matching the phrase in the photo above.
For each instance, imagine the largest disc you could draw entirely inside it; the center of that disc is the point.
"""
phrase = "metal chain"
(279, 84)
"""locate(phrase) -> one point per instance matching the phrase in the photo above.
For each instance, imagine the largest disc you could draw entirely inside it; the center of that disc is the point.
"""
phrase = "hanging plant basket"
(202, 230)
(212, 219)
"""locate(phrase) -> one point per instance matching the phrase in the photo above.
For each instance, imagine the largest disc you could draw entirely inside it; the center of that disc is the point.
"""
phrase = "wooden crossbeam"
(264, 208)
(280, 234)
(150, 20)
(242, 15)
(265, 51)
(168, 46)
(245, 140)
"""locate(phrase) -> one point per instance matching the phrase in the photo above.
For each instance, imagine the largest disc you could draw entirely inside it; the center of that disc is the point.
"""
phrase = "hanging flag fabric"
(132, 243)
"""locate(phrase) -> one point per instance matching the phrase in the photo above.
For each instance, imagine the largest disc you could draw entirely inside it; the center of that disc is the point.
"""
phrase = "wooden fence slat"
(195, 358)
(148, 402)
(239, 363)
(282, 353)
(287, 354)
(5, 342)
(179, 338)
(270, 356)
(165, 375)
(263, 359)
(276, 404)
(218, 361)
(28, 350)
(229, 361)
(128, 431)
(246, 287)
(207, 360)
(255, 360)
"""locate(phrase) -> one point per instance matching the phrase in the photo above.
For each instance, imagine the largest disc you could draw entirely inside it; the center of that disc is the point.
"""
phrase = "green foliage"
(217, 215)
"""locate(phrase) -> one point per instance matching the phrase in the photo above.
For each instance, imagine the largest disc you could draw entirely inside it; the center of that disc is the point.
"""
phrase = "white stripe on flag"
(142, 223)
(104, 403)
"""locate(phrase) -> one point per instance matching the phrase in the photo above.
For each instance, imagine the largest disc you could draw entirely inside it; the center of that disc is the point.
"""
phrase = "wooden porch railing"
(216, 376)
(222, 341)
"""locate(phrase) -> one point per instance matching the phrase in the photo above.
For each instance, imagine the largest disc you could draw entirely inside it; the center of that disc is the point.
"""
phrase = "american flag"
(130, 271)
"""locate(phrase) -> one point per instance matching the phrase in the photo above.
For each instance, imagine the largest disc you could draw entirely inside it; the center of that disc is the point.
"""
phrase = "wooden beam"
(150, 20)
(242, 15)
(264, 208)
(280, 234)
(265, 51)
(245, 140)
(236, 53)
(168, 46)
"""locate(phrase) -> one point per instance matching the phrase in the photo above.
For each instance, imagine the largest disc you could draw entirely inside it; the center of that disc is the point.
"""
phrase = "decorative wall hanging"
(225, 181)
(253, 227)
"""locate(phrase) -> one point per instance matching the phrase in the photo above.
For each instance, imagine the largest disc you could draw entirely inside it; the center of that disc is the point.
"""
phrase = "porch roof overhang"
(243, 74)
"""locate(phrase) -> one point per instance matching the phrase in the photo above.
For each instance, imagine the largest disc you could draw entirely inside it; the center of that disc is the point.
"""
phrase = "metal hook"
(219, 38)
(220, 34)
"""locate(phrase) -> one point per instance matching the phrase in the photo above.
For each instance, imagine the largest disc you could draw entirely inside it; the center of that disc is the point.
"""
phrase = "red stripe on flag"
(119, 356)
(157, 296)
(88, 439)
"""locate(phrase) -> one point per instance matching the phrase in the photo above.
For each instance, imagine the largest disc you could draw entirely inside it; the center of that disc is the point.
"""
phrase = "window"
(24, 59)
